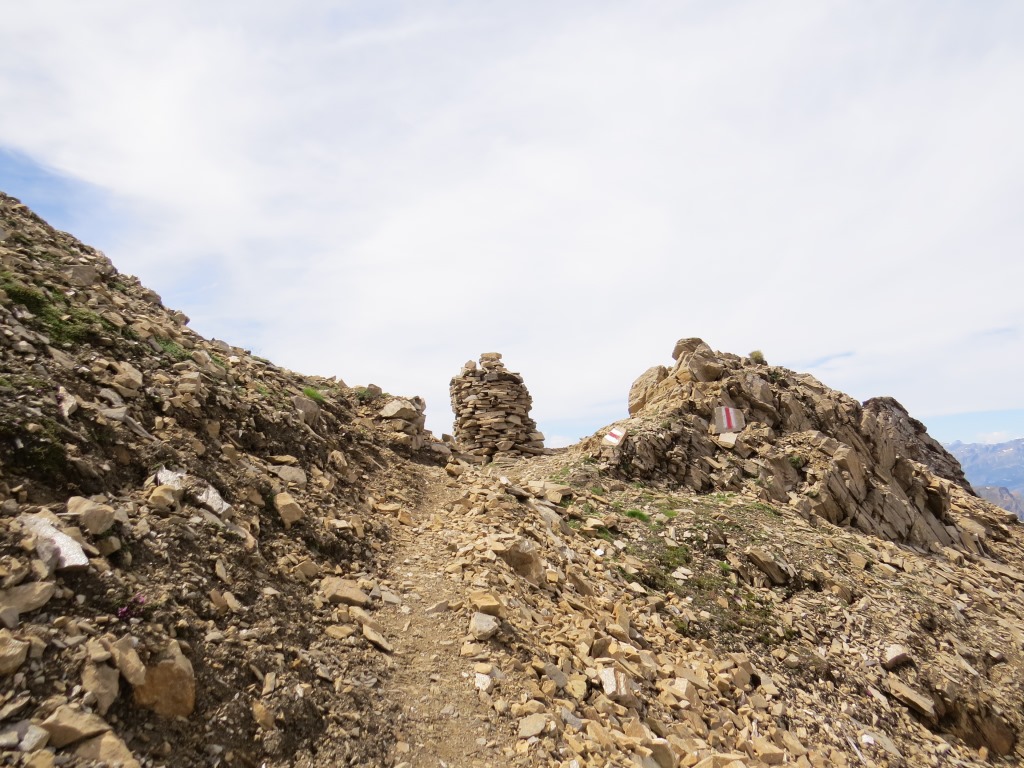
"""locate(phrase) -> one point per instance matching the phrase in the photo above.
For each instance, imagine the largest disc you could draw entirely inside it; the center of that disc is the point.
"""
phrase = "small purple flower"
(133, 608)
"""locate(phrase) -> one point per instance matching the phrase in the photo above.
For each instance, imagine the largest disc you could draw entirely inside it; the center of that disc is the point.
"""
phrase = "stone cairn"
(492, 411)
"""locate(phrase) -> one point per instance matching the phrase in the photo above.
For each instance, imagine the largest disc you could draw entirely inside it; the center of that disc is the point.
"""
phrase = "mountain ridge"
(208, 560)
(997, 469)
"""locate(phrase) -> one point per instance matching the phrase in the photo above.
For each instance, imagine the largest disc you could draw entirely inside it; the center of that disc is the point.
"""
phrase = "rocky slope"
(1011, 501)
(207, 560)
(181, 500)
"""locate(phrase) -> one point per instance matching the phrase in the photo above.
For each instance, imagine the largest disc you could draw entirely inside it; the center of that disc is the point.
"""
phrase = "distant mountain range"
(996, 471)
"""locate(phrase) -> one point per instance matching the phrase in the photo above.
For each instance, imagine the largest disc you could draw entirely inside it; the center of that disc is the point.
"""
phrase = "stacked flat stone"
(492, 411)
(407, 417)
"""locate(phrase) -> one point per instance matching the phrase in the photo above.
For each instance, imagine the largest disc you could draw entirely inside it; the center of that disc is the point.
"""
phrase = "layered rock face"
(492, 411)
(868, 466)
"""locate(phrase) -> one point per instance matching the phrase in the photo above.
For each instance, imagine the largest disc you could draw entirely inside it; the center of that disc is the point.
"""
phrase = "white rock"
(483, 627)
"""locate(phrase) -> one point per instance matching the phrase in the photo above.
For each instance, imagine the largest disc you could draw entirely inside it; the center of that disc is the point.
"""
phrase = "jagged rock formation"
(492, 411)
(869, 466)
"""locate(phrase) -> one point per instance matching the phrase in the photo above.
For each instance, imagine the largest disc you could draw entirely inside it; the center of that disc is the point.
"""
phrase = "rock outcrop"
(492, 411)
(869, 466)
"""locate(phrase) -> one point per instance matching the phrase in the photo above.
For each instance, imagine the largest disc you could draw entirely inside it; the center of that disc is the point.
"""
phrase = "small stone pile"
(492, 411)
(407, 417)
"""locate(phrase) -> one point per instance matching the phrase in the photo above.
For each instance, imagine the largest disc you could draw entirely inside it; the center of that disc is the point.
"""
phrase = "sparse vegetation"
(172, 349)
(637, 514)
(760, 506)
(757, 357)
(313, 394)
(365, 395)
(672, 557)
(19, 238)
(64, 323)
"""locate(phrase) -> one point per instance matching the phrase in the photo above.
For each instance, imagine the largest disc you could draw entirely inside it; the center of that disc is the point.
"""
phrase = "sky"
(382, 190)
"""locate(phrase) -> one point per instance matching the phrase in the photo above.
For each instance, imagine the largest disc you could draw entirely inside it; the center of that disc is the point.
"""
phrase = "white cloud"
(991, 438)
(384, 191)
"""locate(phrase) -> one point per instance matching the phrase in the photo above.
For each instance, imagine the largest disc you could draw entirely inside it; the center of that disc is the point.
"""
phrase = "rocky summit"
(208, 560)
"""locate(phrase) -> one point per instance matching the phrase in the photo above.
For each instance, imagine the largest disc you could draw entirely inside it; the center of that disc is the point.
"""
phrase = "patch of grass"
(797, 461)
(6, 383)
(637, 514)
(62, 321)
(18, 238)
(760, 506)
(711, 583)
(172, 349)
(365, 395)
(313, 394)
(757, 357)
(674, 557)
(118, 285)
(41, 455)
(34, 301)
(597, 490)
(218, 360)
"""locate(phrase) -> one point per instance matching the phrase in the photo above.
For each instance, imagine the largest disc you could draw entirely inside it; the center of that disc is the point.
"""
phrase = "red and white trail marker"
(615, 435)
(729, 420)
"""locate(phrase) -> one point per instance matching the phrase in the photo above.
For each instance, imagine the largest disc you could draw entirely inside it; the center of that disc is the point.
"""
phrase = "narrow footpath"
(443, 721)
